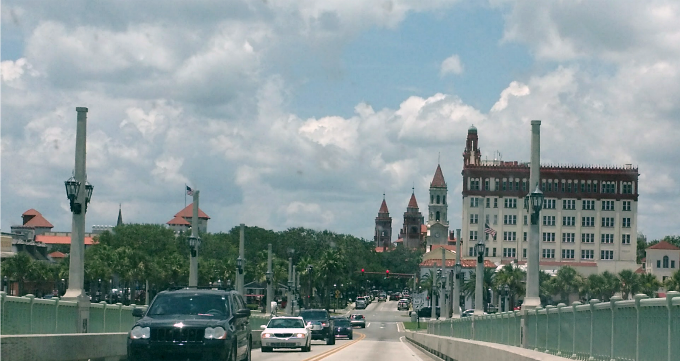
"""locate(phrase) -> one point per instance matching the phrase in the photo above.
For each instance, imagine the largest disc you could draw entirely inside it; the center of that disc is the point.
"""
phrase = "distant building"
(182, 220)
(437, 222)
(589, 214)
(383, 228)
(411, 234)
(662, 260)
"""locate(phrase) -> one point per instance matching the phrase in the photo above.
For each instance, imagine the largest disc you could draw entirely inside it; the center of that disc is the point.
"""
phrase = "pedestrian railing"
(30, 315)
(641, 329)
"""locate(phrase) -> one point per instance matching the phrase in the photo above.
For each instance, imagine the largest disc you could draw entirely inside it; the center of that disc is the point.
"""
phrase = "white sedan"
(286, 332)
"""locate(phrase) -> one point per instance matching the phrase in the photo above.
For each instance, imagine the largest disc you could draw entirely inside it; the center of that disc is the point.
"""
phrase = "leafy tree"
(515, 278)
(673, 283)
(469, 286)
(18, 268)
(649, 285)
(565, 282)
(611, 285)
(641, 247)
(630, 283)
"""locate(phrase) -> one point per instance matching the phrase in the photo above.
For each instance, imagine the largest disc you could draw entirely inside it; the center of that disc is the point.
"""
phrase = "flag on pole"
(489, 230)
(190, 191)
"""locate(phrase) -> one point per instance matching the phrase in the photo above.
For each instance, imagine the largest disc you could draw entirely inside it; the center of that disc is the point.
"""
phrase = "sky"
(289, 113)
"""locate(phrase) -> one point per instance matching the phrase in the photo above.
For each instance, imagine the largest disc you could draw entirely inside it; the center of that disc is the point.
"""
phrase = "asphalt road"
(381, 340)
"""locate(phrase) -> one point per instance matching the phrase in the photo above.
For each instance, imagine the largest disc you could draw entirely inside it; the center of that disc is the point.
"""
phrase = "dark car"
(192, 323)
(426, 312)
(343, 328)
(322, 325)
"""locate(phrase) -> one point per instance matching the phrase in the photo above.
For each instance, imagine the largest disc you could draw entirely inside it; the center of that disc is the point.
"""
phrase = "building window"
(588, 237)
(608, 187)
(608, 222)
(471, 252)
(525, 220)
(498, 187)
(625, 222)
(626, 205)
(658, 263)
(444, 199)
(606, 254)
(525, 237)
(510, 236)
(587, 221)
(524, 184)
(494, 252)
(495, 202)
(524, 253)
(569, 187)
(607, 238)
(509, 219)
(437, 199)
(625, 238)
(607, 205)
(588, 204)
(474, 202)
(495, 219)
(568, 204)
(431, 199)
(516, 184)
(509, 253)
(474, 219)
(587, 254)
(568, 254)
(505, 184)
(473, 235)
(543, 188)
(437, 218)
(548, 253)
(583, 186)
(488, 202)
(569, 221)
(548, 236)
(665, 261)
(548, 220)
(474, 184)
(627, 188)
(486, 185)
(548, 204)
(568, 237)
(510, 202)
(672, 264)
(549, 185)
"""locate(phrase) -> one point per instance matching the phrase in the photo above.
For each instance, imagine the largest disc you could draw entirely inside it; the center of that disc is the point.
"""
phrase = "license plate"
(282, 344)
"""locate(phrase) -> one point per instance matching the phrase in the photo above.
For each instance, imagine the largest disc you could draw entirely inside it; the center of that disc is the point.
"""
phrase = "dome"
(472, 129)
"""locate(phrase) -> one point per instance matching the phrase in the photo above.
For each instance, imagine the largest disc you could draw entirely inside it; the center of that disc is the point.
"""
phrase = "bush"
(253, 306)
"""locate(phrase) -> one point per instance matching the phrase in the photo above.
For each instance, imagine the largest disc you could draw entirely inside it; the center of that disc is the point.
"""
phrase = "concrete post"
(240, 275)
(573, 330)
(433, 304)
(638, 297)
(443, 309)
(193, 260)
(270, 280)
(479, 275)
(612, 302)
(532, 299)
(592, 303)
(457, 277)
(560, 306)
(289, 303)
(670, 342)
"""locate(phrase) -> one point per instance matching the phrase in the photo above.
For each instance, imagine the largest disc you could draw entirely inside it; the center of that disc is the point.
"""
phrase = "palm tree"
(630, 283)
(469, 287)
(673, 282)
(546, 287)
(612, 284)
(18, 269)
(427, 283)
(515, 278)
(649, 284)
(566, 282)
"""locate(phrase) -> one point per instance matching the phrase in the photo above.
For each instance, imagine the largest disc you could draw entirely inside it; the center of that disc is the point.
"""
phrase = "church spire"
(120, 215)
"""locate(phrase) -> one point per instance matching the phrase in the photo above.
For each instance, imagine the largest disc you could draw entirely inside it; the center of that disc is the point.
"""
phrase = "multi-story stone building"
(412, 235)
(663, 260)
(588, 221)
(383, 228)
(437, 222)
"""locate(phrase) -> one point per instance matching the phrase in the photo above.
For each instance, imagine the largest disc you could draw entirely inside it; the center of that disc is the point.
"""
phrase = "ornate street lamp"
(239, 264)
(480, 248)
(72, 190)
(268, 276)
(194, 244)
(533, 203)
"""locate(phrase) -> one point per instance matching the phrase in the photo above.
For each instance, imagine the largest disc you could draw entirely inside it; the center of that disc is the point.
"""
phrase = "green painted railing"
(642, 329)
(29, 315)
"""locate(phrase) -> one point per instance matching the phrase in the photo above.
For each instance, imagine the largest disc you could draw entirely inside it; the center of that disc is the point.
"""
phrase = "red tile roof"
(188, 212)
(438, 180)
(640, 270)
(400, 240)
(57, 254)
(38, 221)
(178, 221)
(31, 212)
(447, 247)
(466, 263)
(557, 263)
(380, 249)
(60, 239)
(423, 228)
(663, 245)
(383, 207)
(413, 203)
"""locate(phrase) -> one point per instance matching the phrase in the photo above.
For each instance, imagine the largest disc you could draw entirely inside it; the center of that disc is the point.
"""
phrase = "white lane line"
(369, 325)
(400, 327)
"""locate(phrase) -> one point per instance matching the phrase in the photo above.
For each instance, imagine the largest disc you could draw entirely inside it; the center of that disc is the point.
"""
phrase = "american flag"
(489, 230)
(190, 192)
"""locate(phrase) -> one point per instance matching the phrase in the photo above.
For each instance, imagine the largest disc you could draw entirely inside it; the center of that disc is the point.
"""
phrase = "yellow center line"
(334, 350)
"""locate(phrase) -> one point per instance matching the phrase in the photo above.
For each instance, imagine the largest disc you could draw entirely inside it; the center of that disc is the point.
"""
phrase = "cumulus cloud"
(451, 65)
(515, 89)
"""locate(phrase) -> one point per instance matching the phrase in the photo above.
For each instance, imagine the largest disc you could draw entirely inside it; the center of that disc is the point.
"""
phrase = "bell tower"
(472, 155)
(383, 227)
(437, 222)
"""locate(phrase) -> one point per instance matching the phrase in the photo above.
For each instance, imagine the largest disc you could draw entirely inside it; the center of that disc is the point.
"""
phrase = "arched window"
(414, 230)
(437, 199)
(444, 200)
(665, 262)
(431, 199)
(431, 214)
(437, 216)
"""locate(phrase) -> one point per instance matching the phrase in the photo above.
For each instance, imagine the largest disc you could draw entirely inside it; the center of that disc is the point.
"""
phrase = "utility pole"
(270, 280)
(532, 299)
(289, 303)
(241, 262)
(481, 249)
(194, 243)
(442, 296)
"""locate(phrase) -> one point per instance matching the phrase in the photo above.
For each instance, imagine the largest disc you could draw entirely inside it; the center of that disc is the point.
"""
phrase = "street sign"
(337, 293)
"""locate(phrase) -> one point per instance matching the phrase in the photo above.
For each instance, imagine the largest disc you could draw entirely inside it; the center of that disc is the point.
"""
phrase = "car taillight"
(324, 324)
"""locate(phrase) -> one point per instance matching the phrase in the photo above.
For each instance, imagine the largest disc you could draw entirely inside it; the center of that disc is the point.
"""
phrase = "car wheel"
(363, 326)
(331, 340)
(351, 336)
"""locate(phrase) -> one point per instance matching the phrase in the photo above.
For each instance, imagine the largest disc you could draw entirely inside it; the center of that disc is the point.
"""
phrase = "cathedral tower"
(413, 220)
(383, 227)
(472, 155)
(437, 222)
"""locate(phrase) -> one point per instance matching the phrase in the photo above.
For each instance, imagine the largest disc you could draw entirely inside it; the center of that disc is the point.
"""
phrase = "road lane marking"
(400, 327)
(332, 351)
(369, 325)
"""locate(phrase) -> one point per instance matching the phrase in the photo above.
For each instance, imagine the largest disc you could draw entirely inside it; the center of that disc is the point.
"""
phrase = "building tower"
(413, 220)
(120, 215)
(437, 222)
(472, 154)
(383, 227)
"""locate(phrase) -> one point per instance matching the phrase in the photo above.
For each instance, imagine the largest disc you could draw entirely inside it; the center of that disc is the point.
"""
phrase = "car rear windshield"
(314, 315)
(206, 305)
(342, 323)
(357, 317)
(286, 323)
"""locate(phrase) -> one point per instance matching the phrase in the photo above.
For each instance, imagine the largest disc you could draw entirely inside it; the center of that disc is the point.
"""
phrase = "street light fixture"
(194, 244)
(480, 248)
(72, 190)
(239, 265)
(533, 202)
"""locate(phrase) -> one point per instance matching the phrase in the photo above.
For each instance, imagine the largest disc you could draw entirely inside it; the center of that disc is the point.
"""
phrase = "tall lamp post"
(310, 269)
(241, 262)
(457, 268)
(479, 278)
(533, 203)
(289, 302)
(506, 291)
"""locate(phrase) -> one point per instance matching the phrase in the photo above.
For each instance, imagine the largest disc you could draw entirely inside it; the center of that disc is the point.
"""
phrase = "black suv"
(322, 325)
(205, 324)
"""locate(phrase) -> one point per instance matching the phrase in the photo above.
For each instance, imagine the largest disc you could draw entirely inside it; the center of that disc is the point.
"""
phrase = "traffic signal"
(362, 272)
(387, 274)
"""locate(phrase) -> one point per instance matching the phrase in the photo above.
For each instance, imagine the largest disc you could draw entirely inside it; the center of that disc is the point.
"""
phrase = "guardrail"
(641, 329)
(30, 315)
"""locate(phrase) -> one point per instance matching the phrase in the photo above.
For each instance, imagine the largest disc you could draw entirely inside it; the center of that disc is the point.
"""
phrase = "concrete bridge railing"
(642, 329)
